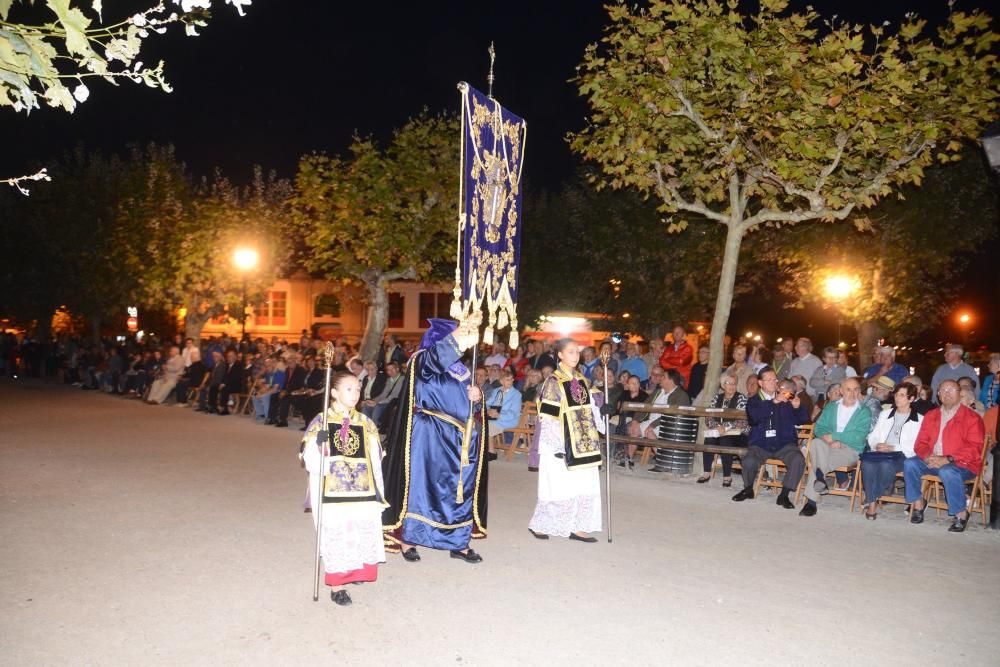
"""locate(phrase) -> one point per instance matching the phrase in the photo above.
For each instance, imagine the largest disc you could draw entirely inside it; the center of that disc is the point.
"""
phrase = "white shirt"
(662, 399)
(945, 418)
(495, 360)
(844, 415)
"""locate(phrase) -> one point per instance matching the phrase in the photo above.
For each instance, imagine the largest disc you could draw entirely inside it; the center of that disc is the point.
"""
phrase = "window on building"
(434, 304)
(396, 310)
(327, 305)
(273, 312)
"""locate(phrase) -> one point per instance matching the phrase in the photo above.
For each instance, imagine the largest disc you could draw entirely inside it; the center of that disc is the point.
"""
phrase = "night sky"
(293, 77)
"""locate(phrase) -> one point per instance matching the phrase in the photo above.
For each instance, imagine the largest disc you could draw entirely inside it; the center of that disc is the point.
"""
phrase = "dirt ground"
(138, 534)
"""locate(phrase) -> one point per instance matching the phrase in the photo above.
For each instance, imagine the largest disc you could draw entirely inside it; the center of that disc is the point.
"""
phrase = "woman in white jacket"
(891, 442)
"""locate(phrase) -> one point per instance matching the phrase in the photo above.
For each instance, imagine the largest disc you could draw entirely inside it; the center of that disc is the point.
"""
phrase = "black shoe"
(658, 469)
(270, 422)
(411, 555)
(745, 494)
(703, 479)
(622, 463)
(578, 538)
(783, 501)
(532, 468)
(540, 536)
(341, 598)
(726, 483)
(469, 556)
(491, 456)
(959, 525)
(224, 413)
(631, 464)
(917, 515)
(809, 509)
(282, 424)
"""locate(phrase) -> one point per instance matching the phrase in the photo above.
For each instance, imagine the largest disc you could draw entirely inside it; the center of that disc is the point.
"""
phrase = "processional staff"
(322, 441)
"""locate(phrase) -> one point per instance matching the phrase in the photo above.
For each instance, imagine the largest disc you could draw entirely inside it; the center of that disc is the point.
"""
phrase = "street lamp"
(245, 260)
(965, 320)
(838, 288)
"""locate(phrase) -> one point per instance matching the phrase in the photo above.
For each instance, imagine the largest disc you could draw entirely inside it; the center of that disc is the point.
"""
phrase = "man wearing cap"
(881, 391)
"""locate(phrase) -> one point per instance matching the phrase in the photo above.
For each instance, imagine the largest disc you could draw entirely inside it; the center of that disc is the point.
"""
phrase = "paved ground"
(136, 534)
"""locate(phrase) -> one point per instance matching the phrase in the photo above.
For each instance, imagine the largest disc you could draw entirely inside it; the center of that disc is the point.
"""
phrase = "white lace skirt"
(569, 501)
(352, 534)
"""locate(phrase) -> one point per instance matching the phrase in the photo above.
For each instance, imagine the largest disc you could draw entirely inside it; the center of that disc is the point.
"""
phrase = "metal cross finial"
(326, 357)
(489, 79)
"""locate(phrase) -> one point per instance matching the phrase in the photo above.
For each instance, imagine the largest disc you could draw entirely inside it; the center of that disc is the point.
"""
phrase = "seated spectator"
(891, 442)
(503, 407)
(614, 392)
(949, 445)
(532, 382)
(832, 394)
(842, 361)
(589, 363)
(518, 364)
(209, 395)
(672, 395)
(621, 418)
(885, 366)
(371, 387)
(781, 358)
(967, 396)
(805, 363)
(990, 394)
(115, 370)
(633, 364)
(652, 358)
(697, 381)
(232, 382)
(679, 355)
(309, 399)
(498, 358)
(725, 432)
(740, 368)
(268, 383)
(840, 434)
(954, 369)
(492, 378)
(653, 383)
(773, 416)
(881, 391)
(826, 374)
(170, 373)
(923, 404)
(613, 362)
(281, 400)
(752, 386)
(642, 422)
(390, 393)
(194, 377)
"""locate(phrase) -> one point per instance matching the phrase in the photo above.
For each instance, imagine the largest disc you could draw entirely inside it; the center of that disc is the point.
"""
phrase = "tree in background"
(179, 238)
(379, 215)
(772, 119)
(605, 252)
(50, 55)
(903, 263)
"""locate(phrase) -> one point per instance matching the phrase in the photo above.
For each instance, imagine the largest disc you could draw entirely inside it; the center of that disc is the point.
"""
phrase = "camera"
(617, 337)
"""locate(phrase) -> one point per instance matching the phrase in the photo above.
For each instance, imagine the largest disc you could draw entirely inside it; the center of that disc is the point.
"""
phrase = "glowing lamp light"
(964, 318)
(245, 259)
(839, 287)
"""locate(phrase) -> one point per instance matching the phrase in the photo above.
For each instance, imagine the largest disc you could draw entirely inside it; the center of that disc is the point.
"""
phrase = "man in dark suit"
(309, 399)
(232, 381)
(281, 401)
(391, 351)
(371, 388)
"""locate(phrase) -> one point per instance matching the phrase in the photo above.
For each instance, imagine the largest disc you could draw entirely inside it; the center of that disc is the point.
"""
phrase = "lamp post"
(991, 147)
(245, 260)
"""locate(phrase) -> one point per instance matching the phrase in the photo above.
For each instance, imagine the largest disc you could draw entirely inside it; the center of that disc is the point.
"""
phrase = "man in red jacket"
(679, 356)
(949, 445)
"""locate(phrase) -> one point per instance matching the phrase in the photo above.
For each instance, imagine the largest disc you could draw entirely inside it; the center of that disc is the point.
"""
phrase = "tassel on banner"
(502, 320)
(456, 309)
(515, 340)
(488, 335)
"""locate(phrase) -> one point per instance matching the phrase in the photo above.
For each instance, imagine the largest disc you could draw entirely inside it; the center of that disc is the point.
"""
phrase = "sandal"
(704, 478)
(870, 515)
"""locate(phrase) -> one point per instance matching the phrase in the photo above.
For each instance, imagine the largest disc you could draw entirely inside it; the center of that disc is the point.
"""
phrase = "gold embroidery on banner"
(435, 524)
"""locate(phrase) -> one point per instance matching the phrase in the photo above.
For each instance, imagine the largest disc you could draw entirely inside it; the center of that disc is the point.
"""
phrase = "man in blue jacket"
(773, 415)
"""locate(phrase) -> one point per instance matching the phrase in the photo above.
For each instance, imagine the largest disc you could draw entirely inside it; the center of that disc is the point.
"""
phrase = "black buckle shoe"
(469, 556)
(959, 525)
(411, 555)
(745, 494)
(341, 598)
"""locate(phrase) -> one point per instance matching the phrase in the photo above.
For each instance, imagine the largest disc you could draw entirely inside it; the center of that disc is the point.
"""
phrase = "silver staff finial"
(489, 79)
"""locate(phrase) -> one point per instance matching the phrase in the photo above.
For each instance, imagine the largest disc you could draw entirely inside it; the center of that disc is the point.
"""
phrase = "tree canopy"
(381, 214)
(776, 118)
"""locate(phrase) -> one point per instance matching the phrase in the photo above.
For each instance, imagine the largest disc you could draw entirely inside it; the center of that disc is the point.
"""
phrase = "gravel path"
(138, 534)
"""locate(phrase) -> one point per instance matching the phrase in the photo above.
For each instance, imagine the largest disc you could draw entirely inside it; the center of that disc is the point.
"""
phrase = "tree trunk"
(378, 317)
(723, 304)
(868, 334)
(194, 322)
(95, 329)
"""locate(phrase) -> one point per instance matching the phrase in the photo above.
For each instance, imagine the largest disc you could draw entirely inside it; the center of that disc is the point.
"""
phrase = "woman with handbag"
(569, 487)
(891, 442)
(729, 432)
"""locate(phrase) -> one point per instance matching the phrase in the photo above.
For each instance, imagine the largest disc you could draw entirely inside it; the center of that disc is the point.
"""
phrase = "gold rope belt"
(466, 431)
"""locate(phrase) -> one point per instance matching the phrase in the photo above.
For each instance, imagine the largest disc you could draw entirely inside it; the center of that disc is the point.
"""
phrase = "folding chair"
(804, 434)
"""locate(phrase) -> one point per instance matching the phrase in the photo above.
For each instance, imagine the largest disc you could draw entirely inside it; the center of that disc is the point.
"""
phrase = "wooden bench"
(684, 446)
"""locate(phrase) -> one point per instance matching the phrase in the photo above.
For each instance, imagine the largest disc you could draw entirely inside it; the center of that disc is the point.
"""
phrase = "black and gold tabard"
(566, 396)
(348, 475)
